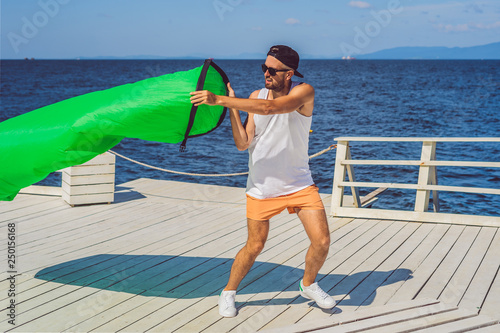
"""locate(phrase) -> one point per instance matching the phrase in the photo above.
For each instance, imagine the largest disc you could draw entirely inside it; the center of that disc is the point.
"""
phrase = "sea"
(372, 98)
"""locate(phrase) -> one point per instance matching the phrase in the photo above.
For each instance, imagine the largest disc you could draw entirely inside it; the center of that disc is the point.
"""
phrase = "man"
(276, 133)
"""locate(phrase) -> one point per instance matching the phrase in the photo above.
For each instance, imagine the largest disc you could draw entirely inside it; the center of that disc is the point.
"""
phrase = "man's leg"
(257, 236)
(316, 226)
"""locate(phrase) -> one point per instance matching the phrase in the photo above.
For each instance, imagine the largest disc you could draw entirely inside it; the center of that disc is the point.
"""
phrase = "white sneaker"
(226, 303)
(317, 294)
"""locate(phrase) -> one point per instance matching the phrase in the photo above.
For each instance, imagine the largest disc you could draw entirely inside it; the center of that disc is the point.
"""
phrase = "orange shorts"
(264, 209)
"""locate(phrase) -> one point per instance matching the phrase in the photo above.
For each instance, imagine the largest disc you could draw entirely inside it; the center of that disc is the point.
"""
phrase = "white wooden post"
(90, 183)
(434, 181)
(352, 178)
(339, 176)
(425, 176)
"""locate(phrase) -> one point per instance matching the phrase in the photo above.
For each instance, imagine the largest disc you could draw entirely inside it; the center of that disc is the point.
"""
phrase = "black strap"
(192, 115)
(199, 86)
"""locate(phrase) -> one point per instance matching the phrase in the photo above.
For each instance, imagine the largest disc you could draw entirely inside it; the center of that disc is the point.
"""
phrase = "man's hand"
(206, 97)
(230, 90)
(203, 97)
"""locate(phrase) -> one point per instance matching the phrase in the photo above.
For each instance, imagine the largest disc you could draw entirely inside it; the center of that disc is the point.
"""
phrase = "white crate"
(90, 183)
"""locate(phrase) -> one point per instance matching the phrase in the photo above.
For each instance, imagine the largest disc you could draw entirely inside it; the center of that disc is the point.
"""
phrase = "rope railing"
(205, 174)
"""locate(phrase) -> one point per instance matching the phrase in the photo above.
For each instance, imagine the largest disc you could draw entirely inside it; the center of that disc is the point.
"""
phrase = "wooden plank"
(259, 301)
(42, 301)
(225, 211)
(86, 199)
(338, 266)
(424, 163)
(464, 325)
(104, 158)
(40, 229)
(482, 280)
(134, 231)
(49, 300)
(252, 285)
(71, 244)
(43, 204)
(101, 265)
(419, 139)
(410, 264)
(420, 163)
(372, 195)
(88, 302)
(56, 244)
(435, 194)
(297, 259)
(489, 329)
(83, 170)
(491, 304)
(255, 293)
(382, 321)
(389, 214)
(88, 189)
(253, 289)
(348, 202)
(424, 177)
(88, 180)
(479, 190)
(42, 190)
(425, 270)
(55, 220)
(352, 178)
(460, 281)
(350, 290)
(392, 270)
(189, 315)
(434, 287)
(19, 202)
(431, 320)
(346, 318)
(338, 177)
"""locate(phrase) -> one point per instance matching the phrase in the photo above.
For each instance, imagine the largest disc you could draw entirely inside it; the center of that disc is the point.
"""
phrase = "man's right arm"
(242, 133)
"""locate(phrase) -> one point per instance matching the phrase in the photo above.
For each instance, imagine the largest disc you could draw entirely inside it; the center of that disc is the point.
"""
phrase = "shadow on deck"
(157, 276)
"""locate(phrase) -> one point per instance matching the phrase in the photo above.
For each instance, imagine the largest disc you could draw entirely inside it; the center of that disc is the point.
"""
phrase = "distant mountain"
(137, 57)
(187, 57)
(245, 56)
(489, 51)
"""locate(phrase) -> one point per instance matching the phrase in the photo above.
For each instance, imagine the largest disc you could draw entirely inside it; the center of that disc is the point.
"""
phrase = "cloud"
(106, 15)
(257, 28)
(473, 7)
(487, 26)
(452, 28)
(336, 22)
(292, 21)
(466, 27)
(359, 4)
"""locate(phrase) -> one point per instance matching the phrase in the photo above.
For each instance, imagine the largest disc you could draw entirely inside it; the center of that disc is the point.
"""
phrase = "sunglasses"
(273, 71)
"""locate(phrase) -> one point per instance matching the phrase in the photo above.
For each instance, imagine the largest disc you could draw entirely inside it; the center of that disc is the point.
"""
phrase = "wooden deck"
(157, 258)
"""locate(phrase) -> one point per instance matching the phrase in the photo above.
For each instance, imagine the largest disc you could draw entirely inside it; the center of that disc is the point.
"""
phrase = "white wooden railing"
(427, 182)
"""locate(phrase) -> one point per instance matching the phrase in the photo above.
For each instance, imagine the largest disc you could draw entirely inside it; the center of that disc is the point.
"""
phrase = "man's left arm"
(298, 96)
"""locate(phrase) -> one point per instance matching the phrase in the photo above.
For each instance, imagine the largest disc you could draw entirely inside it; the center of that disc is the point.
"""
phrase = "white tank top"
(278, 154)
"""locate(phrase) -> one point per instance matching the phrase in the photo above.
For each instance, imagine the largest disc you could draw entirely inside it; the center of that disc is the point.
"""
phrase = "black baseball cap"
(287, 56)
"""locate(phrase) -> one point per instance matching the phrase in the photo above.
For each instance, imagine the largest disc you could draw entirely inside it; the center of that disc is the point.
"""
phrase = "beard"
(274, 85)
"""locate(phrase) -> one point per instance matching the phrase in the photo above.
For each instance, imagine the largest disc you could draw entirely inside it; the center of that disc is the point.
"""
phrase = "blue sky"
(58, 29)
